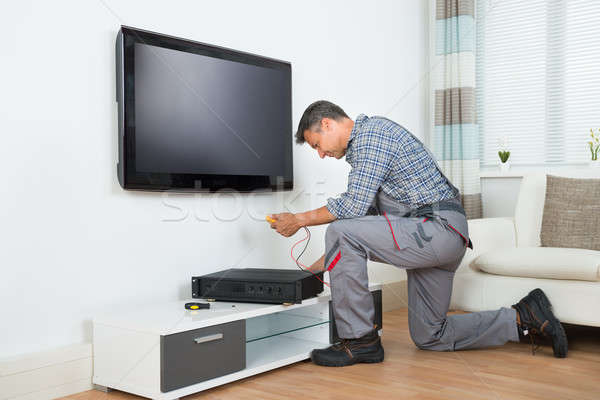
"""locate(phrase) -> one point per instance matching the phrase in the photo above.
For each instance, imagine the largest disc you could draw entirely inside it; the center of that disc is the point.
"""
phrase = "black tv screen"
(197, 117)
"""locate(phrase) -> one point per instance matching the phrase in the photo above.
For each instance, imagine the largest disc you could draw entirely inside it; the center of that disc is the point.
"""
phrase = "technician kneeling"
(400, 209)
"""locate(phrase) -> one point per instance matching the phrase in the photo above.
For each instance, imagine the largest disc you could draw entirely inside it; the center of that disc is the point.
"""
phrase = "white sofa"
(509, 249)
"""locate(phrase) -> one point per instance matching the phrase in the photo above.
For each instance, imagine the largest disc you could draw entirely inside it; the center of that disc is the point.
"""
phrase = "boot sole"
(560, 346)
(367, 359)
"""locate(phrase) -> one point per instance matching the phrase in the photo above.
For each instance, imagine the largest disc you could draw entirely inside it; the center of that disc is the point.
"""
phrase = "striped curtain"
(455, 141)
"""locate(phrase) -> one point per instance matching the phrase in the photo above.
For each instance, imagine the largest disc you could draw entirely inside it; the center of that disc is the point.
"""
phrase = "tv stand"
(165, 352)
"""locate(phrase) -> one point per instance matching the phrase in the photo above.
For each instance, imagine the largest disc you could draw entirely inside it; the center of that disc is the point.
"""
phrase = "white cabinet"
(166, 352)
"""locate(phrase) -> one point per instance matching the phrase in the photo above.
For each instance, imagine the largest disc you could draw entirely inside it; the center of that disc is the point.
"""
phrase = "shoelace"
(343, 343)
(527, 332)
(532, 331)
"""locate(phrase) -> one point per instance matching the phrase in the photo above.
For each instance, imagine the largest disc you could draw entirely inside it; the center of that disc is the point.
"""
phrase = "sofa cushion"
(541, 262)
(529, 209)
(571, 215)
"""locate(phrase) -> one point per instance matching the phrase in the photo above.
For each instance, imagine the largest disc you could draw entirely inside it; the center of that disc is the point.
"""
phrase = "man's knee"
(422, 342)
(430, 337)
(419, 338)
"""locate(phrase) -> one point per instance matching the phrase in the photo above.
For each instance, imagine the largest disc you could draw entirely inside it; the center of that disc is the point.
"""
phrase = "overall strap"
(427, 209)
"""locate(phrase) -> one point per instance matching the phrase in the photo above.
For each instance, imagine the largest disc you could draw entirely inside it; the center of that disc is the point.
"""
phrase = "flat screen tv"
(197, 117)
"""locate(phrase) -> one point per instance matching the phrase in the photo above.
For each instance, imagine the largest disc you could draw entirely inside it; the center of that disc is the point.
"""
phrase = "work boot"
(366, 349)
(534, 316)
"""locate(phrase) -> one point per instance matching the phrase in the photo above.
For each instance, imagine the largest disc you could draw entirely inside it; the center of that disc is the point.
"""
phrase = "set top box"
(258, 285)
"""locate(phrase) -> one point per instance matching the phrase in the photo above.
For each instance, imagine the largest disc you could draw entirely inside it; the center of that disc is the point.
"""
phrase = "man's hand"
(285, 224)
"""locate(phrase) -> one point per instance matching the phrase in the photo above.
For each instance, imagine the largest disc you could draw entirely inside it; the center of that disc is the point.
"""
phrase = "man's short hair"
(311, 119)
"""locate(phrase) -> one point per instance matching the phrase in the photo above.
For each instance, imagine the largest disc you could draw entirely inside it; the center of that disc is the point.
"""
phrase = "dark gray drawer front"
(191, 357)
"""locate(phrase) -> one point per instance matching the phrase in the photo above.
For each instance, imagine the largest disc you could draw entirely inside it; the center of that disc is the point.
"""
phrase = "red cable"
(299, 264)
(393, 236)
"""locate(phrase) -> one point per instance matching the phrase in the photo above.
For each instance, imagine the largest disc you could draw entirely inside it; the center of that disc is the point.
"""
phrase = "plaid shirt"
(385, 155)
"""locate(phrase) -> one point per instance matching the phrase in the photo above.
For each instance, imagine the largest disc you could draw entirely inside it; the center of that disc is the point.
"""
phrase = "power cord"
(297, 259)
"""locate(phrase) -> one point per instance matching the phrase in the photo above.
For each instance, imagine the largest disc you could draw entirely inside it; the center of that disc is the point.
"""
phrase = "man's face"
(329, 142)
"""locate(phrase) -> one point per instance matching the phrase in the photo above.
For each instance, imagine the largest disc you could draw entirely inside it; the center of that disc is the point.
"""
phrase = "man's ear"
(325, 124)
(305, 136)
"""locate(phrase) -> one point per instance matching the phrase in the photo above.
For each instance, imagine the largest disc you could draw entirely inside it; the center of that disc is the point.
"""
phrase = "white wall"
(73, 243)
(499, 196)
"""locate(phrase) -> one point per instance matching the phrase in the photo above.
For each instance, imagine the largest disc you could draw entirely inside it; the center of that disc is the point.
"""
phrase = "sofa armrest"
(487, 234)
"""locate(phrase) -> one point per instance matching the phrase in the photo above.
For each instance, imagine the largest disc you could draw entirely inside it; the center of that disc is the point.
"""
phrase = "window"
(538, 79)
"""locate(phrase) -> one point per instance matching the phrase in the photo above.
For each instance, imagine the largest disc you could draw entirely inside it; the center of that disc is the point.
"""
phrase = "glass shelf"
(270, 325)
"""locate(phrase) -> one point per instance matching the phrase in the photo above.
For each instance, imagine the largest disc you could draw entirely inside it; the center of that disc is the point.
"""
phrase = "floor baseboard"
(47, 375)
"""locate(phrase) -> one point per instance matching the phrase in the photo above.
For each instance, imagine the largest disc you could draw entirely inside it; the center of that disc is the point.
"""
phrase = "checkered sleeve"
(375, 151)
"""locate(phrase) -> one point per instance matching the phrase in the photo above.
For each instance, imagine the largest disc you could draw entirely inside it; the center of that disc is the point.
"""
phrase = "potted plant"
(504, 154)
(594, 146)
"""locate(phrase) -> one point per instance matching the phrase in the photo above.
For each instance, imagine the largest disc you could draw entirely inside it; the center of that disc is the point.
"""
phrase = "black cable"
(304, 249)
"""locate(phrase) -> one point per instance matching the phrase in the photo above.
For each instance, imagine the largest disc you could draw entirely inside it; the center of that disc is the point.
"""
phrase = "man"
(399, 208)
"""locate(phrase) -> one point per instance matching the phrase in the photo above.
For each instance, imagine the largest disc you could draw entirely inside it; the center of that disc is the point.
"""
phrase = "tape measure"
(196, 306)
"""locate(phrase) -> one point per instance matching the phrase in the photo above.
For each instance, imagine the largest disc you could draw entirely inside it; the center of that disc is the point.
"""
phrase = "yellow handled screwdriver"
(269, 219)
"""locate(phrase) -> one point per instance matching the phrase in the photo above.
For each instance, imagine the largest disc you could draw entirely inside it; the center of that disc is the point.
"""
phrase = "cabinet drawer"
(191, 357)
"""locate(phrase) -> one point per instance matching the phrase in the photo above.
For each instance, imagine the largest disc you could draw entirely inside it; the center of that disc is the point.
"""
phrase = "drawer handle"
(208, 338)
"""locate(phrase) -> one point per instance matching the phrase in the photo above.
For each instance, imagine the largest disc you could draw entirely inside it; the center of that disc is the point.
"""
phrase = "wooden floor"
(506, 372)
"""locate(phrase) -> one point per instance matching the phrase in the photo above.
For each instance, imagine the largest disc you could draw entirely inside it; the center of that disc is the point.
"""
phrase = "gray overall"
(429, 243)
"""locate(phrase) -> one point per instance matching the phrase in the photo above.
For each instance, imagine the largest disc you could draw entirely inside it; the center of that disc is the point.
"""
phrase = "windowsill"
(520, 171)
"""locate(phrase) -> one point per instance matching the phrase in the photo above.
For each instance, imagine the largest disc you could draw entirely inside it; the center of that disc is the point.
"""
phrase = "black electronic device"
(258, 285)
(195, 117)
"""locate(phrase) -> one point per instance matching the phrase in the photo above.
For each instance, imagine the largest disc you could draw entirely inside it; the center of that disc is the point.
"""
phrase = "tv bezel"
(131, 179)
